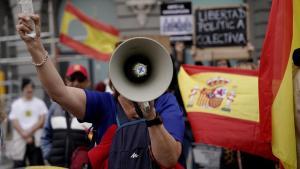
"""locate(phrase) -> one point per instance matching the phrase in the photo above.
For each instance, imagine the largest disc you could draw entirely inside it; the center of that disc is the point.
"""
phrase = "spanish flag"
(275, 80)
(222, 107)
(101, 37)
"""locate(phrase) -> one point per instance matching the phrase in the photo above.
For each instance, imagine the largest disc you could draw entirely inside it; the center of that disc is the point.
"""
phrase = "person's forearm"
(72, 99)
(47, 73)
(165, 148)
(18, 128)
(37, 125)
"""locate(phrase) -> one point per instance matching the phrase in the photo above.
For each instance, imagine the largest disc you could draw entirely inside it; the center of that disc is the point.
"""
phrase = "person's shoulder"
(103, 101)
(166, 101)
(17, 102)
(38, 101)
(98, 95)
(166, 97)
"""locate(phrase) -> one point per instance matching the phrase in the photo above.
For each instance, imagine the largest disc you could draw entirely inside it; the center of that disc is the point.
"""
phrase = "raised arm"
(72, 99)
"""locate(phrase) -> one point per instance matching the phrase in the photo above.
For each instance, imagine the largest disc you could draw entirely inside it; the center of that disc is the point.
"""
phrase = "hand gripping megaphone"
(140, 69)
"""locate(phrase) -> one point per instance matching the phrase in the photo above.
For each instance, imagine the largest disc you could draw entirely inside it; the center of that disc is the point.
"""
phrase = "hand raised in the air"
(25, 26)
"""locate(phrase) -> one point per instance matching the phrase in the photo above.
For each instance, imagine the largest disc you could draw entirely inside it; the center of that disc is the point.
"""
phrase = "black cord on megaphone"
(138, 110)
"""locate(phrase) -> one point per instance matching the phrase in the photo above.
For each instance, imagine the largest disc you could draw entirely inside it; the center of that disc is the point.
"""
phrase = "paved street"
(5, 163)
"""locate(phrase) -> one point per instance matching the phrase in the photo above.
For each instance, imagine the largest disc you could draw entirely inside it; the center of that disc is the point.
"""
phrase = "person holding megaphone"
(149, 120)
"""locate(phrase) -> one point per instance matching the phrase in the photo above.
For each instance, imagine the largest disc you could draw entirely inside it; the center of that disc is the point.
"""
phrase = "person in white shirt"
(27, 116)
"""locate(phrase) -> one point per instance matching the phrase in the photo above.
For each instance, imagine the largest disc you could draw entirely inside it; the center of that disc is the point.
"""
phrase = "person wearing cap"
(62, 132)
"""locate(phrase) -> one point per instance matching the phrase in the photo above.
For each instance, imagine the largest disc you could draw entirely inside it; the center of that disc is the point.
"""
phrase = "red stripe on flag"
(274, 59)
(228, 132)
(192, 69)
(94, 23)
(82, 48)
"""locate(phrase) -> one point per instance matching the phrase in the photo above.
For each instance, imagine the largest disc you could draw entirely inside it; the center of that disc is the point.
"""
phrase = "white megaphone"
(141, 69)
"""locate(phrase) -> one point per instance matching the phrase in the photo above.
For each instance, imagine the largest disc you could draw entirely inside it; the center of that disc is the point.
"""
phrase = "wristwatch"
(156, 121)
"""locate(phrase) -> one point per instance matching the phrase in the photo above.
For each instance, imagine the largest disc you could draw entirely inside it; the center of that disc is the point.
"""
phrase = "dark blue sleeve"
(98, 106)
(171, 114)
(46, 139)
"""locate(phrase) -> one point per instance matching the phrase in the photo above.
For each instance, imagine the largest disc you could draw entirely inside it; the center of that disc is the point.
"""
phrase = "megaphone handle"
(138, 110)
(145, 107)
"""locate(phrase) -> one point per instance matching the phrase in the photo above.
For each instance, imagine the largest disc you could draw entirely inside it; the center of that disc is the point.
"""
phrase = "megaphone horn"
(140, 69)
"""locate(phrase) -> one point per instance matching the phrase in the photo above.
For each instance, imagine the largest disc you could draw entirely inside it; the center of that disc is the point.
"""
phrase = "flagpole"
(239, 158)
(52, 31)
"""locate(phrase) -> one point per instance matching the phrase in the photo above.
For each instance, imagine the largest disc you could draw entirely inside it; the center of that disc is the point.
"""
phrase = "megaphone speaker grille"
(140, 69)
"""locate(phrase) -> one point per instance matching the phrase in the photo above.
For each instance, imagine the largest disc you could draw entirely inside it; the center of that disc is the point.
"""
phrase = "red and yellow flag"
(275, 80)
(222, 107)
(100, 40)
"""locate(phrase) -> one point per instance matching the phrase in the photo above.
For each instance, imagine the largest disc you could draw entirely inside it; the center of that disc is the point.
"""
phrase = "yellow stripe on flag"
(283, 128)
(223, 94)
(66, 20)
(97, 39)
